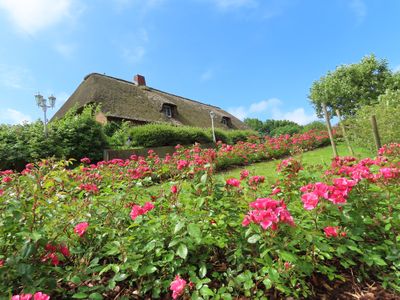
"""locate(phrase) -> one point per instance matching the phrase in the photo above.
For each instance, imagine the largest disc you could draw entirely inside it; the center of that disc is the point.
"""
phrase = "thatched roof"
(126, 100)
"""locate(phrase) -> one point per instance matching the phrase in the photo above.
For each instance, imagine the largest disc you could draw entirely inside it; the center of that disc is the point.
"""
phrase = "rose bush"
(97, 231)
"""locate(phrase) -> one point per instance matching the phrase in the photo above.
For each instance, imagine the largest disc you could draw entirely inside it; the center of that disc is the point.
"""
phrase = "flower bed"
(95, 232)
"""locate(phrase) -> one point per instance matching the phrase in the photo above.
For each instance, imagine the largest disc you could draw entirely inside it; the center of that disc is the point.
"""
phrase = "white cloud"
(133, 47)
(31, 16)
(134, 54)
(139, 5)
(239, 112)
(12, 116)
(66, 50)
(262, 106)
(271, 109)
(298, 115)
(359, 8)
(232, 4)
(15, 77)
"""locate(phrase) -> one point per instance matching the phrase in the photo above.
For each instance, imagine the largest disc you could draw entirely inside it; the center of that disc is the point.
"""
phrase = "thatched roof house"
(140, 104)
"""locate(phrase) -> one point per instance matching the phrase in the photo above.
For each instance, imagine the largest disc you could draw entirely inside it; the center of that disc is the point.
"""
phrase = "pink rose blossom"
(331, 231)
(7, 179)
(65, 251)
(310, 200)
(138, 210)
(85, 160)
(80, 228)
(276, 191)
(244, 174)
(233, 182)
(177, 287)
(22, 297)
(174, 189)
(40, 296)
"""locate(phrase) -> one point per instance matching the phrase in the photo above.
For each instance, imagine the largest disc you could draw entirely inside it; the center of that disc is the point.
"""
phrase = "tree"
(270, 127)
(254, 124)
(350, 87)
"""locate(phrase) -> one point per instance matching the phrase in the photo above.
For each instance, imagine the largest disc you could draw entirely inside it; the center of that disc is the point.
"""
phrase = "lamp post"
(212, 115)
(42, 102)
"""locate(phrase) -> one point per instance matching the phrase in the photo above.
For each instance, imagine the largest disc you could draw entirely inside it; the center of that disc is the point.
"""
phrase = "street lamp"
(42, 102)
(212, 115)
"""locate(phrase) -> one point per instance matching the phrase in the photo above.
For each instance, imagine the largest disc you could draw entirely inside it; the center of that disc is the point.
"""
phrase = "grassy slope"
(319, 156)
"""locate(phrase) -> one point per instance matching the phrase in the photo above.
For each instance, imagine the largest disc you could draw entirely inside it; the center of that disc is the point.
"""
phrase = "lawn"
(321, 156)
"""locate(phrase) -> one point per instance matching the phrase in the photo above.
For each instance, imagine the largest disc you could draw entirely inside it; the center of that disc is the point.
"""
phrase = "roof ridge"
(149, 87)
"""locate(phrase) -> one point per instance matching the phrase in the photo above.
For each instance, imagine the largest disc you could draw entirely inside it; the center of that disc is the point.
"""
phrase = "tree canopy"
(350, 87)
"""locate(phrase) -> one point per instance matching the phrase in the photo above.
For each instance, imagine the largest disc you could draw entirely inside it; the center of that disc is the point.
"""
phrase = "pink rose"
(80, 228)
(177, 287)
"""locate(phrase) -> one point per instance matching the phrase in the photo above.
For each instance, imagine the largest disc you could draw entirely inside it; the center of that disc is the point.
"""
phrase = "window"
(226, 121)
(168, 111)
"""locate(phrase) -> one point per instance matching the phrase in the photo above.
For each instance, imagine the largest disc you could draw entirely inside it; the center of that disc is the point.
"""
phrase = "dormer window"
(226, 121)
(169, 110)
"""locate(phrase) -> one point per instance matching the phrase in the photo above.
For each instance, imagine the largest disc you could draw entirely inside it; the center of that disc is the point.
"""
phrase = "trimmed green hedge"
(155, 135)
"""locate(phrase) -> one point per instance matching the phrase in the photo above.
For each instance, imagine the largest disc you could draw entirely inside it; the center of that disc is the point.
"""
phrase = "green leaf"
(203, 178)
(178, 227)
(194, 231)
(182, 251)
(206, 291)
(203, 271)
(378, 260)
(150, 269)
(95, 296)
(120, 277)
(76, 280)
(341, 249)
(287, 256)
(254, 238)
(268, 283)
(80, 295)
(273, 274)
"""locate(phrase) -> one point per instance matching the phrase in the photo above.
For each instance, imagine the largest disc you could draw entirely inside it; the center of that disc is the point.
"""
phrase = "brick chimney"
(139, 80)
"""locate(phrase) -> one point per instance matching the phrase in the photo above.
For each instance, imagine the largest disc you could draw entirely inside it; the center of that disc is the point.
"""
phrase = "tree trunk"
(344, 133)
(329, 127)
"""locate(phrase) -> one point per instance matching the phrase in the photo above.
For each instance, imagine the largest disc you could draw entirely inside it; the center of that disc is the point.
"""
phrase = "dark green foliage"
(317, 125)
(350, 87)
(287, 129)
(254, 124)
(271, 127)
(80, 135)
(156, 135)
(75, 136)
(153, 135)
(387, 113)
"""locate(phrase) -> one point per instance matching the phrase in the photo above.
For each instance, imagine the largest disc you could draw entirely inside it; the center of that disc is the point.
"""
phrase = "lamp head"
(39, 99)
(52, 101)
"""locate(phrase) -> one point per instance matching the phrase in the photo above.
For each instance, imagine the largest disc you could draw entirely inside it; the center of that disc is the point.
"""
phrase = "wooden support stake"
(376, 132)
(328, 125)
(344, 133)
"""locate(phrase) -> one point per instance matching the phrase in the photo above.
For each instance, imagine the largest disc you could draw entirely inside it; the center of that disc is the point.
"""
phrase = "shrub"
(74, 136)
(317, 125)
(96, 233)
(287, 129)
(155, 135)
(80, 135)
(386, 112)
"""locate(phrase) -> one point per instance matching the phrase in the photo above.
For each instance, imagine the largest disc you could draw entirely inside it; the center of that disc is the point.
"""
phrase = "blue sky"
(254, 58)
